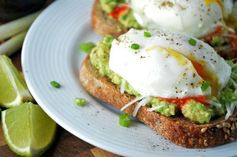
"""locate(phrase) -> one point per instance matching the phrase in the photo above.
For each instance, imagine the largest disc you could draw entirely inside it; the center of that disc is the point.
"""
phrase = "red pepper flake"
(118, 11)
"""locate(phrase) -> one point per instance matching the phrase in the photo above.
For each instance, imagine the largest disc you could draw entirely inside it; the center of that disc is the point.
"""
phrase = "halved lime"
(27, 129)
(13, 88)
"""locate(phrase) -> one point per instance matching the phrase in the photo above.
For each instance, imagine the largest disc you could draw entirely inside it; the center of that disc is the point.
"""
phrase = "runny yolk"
(209, 76)
(203, 72)
(182, 60)
(198, 68)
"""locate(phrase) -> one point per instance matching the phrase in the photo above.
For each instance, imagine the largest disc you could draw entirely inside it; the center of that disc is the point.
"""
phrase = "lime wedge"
(13, 88)
(27, 129)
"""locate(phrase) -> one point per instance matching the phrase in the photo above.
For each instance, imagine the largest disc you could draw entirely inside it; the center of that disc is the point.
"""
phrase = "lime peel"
(12, 84)
(28, 131)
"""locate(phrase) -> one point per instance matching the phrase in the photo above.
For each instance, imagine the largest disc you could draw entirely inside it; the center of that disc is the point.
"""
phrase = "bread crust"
(103, 24)
(176, 129)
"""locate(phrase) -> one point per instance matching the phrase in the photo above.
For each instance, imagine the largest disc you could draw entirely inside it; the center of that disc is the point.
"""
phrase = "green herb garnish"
(135, 46)
(55, 84)
(124, 120)
(192, 42)
(147, 34)
(80, 102)
(87, 47)
(204, 86)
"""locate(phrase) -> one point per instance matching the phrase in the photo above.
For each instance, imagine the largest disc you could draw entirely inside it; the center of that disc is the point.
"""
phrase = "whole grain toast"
(177, 129)
(103, 24)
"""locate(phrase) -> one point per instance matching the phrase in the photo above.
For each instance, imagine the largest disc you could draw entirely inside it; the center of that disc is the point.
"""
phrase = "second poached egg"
(194, 17)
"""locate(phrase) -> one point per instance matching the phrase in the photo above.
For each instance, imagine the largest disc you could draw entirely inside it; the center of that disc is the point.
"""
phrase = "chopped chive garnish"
(55, 84)
(135, 46)
(124, 120)
(204, 86)
(192, 42)
(147, 34)
(87, 47)
(80, 102)
(216, 41)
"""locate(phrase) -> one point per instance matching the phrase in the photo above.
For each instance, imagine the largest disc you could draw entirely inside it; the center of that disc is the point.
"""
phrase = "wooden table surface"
(65, 144)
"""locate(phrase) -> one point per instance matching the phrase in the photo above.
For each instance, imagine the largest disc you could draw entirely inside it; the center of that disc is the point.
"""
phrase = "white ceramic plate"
(50, 52)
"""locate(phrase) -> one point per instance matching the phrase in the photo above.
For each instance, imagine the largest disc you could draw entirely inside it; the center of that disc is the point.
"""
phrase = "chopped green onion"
(147, 34)
(192, 42)
(204, 86)
(87, 47)
(80, 102)
(135, 46)
(55, 84)
(216, 41)
(124, 120)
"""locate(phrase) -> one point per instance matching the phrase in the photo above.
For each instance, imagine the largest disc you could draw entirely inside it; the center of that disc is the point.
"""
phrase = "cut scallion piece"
(55, 84)
(80, 102)
(192, 42)
(135, 46)
(124, 120)
(87, 47)
(147, 34)
(204, 86)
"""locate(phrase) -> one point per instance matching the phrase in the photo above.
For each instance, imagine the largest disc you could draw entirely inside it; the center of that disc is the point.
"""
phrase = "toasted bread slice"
(103, 24)
(177, 129)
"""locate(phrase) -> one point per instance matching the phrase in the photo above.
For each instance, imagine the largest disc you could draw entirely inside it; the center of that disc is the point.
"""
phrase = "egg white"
(194, 17)
(163, 65)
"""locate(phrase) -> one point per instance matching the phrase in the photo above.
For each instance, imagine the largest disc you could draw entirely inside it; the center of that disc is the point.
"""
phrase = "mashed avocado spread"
(192, 110)
(126, 18)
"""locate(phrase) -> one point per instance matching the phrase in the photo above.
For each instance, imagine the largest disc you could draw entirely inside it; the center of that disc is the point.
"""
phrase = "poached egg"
(194, 17)
(168, 65)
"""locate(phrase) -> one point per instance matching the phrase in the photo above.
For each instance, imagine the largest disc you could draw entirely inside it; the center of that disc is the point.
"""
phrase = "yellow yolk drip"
(178, 56)
(199, 66)
(207, 75)
(182, 60)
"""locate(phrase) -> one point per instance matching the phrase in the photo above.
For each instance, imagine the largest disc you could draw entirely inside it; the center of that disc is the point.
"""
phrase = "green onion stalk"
(12, 34)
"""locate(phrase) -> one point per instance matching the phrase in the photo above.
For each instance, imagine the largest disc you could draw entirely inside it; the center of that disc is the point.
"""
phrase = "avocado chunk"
(109, 5)
(163, 107)
(128, 20)
(197, 112)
